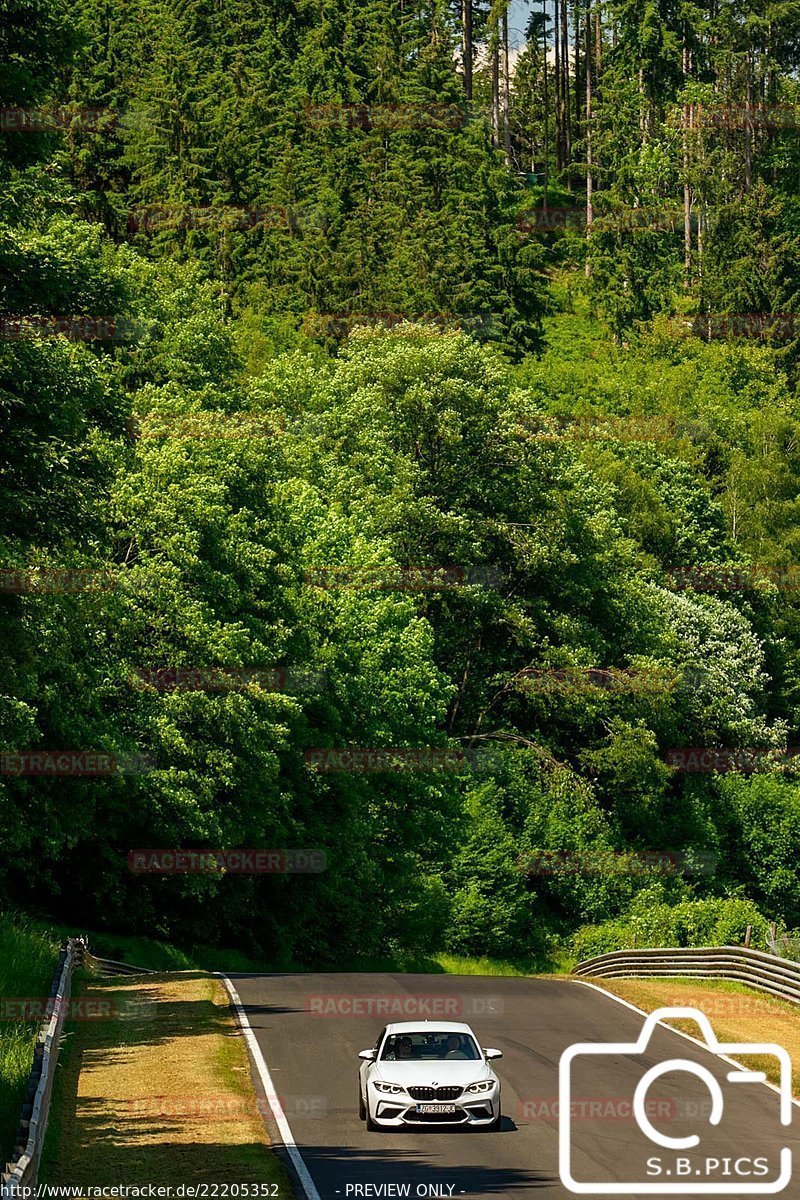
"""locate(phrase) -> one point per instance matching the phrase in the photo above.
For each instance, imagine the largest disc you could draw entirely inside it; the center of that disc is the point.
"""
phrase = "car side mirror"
(489, 1053)
(369, 1055)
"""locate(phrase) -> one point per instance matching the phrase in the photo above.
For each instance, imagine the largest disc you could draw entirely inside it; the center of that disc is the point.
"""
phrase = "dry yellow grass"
(737, 1014)
(158, 1090)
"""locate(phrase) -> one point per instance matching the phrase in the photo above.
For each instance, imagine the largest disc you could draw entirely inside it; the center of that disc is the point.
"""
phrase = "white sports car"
(423, 1073)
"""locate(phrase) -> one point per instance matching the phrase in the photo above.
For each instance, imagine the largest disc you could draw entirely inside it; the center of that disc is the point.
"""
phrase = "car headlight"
(393, 1088)
(485, 1085)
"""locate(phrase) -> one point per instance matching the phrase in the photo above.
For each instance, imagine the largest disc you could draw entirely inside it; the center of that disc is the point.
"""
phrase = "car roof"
(429, 1027)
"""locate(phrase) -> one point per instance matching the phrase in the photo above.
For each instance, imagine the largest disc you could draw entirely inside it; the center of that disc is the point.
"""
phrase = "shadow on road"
(337, 1170)
(271, 1010)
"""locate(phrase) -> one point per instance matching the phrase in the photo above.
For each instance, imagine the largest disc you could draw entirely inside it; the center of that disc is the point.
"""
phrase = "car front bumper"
(401, 1111)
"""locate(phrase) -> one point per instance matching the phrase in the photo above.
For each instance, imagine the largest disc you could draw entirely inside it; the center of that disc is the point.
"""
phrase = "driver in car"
(453, 1047)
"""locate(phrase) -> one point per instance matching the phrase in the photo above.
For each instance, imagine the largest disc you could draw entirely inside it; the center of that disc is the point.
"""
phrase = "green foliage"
(762, 814)
(446, 533)
(340, 137)
(711, 922)
(28, 960)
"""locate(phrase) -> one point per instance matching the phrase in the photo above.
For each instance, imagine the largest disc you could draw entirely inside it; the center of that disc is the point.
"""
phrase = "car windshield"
(430, 1046)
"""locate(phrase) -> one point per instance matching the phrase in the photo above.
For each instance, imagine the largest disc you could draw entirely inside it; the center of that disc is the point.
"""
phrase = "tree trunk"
(557, 77)
(687, 195)
(506, 91)
(494, 53)
(748, 122)
(566, 91)
(466, 44)
(546, 104)
(588, 68)
(577, 51)
(701, 224)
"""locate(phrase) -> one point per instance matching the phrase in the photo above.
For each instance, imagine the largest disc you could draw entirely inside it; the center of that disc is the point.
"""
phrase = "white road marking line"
(772, 1086)
(284, 1128)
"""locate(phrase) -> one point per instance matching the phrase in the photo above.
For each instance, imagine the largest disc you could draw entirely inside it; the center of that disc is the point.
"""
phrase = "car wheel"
(362, 1108)
(371, 1126)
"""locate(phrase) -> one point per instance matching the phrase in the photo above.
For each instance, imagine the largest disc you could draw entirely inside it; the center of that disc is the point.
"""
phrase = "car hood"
(453, 1073)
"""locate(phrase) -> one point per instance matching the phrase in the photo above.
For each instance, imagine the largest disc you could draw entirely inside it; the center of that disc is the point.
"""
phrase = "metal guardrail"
(22, 1170)
(110, 966)
(778, 976)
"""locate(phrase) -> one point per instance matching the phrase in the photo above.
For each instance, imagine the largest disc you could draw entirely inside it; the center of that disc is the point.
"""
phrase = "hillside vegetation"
(412, 479)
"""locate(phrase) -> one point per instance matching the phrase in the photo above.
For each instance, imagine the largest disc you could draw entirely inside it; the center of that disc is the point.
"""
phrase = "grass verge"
(155, 1088)
(28, 960)
(737, 1014)
(164, 956)
(455, 964)
(159, 956)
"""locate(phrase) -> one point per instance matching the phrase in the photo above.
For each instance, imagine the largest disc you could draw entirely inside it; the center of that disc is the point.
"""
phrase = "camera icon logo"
(677, 1172)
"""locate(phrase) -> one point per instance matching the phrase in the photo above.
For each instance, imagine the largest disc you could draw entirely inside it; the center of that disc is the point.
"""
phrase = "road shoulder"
(154, 1088)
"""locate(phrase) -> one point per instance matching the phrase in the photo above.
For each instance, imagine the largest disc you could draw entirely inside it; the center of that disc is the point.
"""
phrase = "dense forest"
(401, 448)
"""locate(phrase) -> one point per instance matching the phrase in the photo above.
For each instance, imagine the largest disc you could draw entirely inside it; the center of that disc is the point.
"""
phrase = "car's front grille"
(434, 1093)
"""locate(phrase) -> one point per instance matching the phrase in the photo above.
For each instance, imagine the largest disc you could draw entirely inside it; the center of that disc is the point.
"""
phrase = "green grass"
(28, 960)
(159, 1093)
(738, 1014)
(161, 956)
(455, 964)
(164, 956)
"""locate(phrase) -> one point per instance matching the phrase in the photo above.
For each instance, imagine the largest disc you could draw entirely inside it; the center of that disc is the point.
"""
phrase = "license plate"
(445, 1110)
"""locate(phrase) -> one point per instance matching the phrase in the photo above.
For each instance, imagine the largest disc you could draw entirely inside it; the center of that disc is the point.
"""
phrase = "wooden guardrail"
(22, 1170)
(778, 976)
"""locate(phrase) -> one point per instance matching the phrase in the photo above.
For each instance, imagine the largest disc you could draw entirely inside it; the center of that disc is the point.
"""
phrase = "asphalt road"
(310, 1029)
